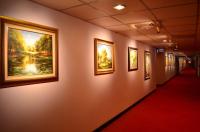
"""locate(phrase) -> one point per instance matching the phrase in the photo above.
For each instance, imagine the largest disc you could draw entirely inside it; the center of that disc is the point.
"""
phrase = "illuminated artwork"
(29, 53)
(147, 65)
(166, 60)
(132, 59)
(104, 57)
(170, 61)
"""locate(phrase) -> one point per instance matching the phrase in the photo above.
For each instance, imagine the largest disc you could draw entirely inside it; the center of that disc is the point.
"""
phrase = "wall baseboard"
(123, 112)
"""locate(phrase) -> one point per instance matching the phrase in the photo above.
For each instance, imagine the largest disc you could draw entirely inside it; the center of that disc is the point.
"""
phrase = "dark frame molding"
(131, 48)
(95, 57)
(5, 84)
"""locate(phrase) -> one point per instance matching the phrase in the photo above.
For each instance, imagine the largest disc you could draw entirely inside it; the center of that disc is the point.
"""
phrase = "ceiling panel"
(153, 31)
(185, 40)
(107, 6)
(159, 40)
(179, 21)
(181, 28)
(87, 1)
(185, 44)
(160, 44)
(151, 42)
(135, 17)
(134, 34)
(198, 36)
(177, 16)
(199, 17)
(119, 28)
(159, 37)
(189, 32)
(177, 11)
(84, 12)
(105, 21)
(59, 4)
(165, 3)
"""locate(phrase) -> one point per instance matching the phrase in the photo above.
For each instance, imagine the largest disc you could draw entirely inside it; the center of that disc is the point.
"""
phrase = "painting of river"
(29, 53)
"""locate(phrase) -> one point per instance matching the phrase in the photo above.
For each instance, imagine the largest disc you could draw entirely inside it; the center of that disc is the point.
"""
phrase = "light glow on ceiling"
(119, 7)
(164, 40)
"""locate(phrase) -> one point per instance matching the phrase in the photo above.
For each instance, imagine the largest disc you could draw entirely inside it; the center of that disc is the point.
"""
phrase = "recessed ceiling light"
(119, 7)
(133, 26)
(164, 40)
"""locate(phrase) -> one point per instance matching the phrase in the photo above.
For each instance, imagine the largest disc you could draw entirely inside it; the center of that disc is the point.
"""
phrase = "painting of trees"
(104, 56)
(29, 53)
(103, 60)
(132, 59)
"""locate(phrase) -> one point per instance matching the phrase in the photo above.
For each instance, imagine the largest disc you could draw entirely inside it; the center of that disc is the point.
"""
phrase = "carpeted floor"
(174, 107)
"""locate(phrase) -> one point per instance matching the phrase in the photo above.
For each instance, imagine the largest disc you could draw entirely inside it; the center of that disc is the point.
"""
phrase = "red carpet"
(174, 107)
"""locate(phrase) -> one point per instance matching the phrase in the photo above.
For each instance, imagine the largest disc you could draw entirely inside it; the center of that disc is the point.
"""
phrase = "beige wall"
(163, 72)
(79, 101)
(160, 68)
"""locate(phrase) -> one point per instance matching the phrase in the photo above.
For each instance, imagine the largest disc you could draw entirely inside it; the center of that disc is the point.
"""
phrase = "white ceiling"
(179, 18)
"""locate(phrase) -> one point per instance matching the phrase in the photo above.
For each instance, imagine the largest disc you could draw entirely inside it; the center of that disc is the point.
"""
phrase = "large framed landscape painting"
(132, 59)
(147, 65)
(104, 57)
(29, 53)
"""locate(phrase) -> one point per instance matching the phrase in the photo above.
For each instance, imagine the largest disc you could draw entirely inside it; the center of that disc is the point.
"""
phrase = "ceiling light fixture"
(157, 25)
(133, 26)
(143, 25)
(119, 7)
(148, 26)
(158, 29)
(164, 40)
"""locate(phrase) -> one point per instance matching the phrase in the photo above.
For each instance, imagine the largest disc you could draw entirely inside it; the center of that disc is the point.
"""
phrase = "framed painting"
(147, 65)
(104, 57)
(132, 59)
(166, 60)
(29, 53)
(170, 56)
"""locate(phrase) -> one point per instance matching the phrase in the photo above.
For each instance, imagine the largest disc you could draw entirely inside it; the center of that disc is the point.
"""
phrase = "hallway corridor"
(174, 107)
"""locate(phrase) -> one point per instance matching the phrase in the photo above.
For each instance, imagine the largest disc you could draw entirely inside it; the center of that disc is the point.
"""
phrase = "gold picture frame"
(29, 53)
(147, 65)
(132, 59)
(103, 57)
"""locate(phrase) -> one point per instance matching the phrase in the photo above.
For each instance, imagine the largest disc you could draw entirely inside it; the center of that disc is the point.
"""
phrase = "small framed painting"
(132, 59)
(29, 53)
(170, 56)
(103, 57)
(147, 65)
(166, 60)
